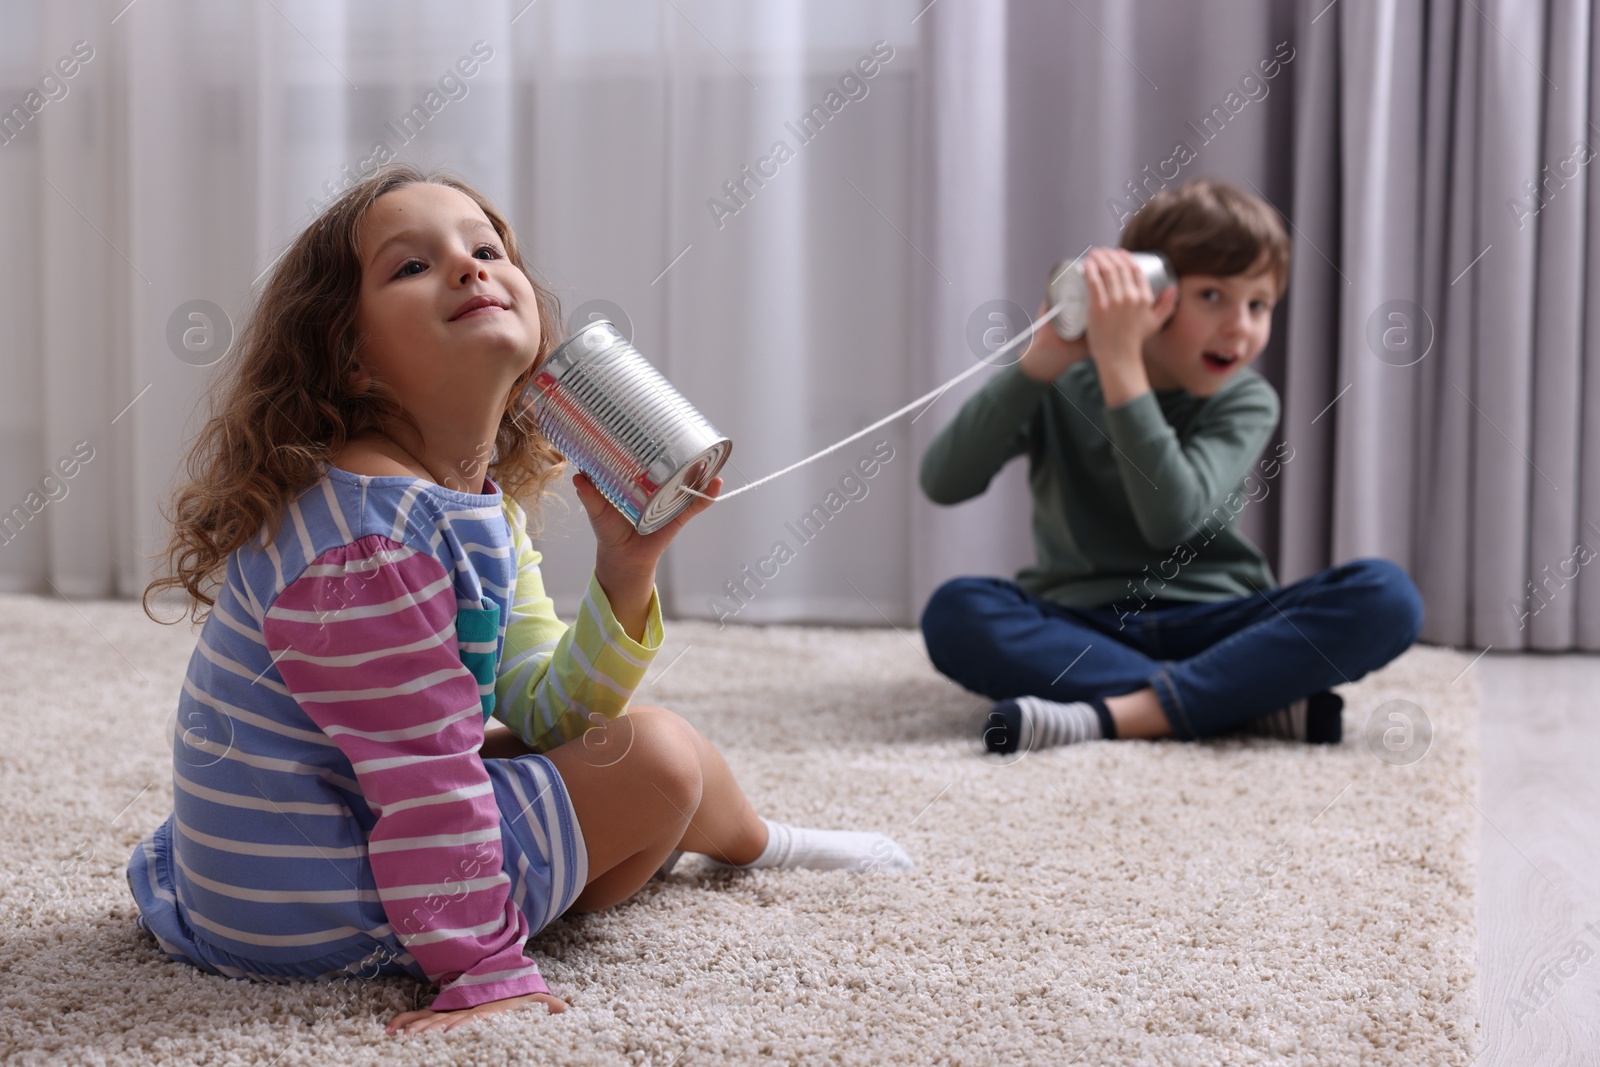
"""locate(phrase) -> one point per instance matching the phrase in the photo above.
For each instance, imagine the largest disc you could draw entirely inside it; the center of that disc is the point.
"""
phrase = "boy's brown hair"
(1207, 226)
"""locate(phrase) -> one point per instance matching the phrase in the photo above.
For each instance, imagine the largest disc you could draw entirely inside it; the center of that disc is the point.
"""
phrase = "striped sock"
(1315, 719)
(1032, 723)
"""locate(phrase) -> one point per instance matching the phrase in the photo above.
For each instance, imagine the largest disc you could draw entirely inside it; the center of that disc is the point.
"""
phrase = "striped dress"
(331, 813)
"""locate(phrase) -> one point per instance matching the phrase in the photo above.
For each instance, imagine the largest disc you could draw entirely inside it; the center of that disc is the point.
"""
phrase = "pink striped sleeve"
(365, 640)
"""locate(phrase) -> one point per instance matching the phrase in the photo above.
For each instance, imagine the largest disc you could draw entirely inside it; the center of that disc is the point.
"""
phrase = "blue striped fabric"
(262, 867)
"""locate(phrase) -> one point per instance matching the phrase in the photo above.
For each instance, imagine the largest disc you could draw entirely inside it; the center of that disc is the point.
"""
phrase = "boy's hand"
(1122, 310)
(1048, 356)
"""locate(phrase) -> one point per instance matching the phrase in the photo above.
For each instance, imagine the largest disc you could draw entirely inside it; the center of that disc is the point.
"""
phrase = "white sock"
(828, 850)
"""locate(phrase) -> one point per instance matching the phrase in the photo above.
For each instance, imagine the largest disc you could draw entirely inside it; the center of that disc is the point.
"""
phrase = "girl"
(340, 807)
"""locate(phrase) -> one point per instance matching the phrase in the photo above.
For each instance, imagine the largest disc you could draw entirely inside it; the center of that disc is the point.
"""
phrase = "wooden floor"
(1539, 879)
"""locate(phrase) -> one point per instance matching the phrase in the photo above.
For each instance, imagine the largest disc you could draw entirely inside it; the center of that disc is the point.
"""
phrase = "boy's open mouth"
(1220, 360)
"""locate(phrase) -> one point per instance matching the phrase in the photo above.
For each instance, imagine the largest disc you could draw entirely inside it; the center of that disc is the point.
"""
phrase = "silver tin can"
(1066, 286)
(619, 421)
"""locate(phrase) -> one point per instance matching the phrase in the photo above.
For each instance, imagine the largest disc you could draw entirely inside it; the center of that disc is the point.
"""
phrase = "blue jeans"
(1213, 665)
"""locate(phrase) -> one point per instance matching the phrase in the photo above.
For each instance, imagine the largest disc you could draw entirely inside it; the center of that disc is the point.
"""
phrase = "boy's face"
(1217, 318)
(426, 250)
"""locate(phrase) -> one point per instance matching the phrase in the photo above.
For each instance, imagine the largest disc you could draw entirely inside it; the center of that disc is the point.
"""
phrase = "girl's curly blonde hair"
(283, 407)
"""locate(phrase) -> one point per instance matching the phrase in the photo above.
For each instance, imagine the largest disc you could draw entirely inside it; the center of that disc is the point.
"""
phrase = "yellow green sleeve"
(552, 677)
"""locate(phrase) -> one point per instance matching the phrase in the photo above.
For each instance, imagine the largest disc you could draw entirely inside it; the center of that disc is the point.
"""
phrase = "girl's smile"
(448, 323)
(479, 305)
(436, 258)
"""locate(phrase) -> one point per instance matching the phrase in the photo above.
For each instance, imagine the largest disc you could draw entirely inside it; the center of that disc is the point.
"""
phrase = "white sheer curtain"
(195, 139)
(161, 153)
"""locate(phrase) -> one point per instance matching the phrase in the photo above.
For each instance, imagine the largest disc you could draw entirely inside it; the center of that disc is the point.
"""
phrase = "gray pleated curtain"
(1433, 159)
(1456, 186)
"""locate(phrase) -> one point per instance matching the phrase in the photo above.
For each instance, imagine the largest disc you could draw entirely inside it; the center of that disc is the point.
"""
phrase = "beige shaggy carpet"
(1232, 902)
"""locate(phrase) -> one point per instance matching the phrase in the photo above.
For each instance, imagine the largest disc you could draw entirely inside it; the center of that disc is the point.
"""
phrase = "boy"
(1147, 614)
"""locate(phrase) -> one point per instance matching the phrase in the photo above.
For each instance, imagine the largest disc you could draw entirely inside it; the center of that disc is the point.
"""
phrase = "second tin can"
(1066, 286)
(619, 421)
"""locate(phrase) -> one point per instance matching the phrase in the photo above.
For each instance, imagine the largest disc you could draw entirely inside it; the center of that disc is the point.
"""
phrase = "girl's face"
(1216, 318)
(427, 253)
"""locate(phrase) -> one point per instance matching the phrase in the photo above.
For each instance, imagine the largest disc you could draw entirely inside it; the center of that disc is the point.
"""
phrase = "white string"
(926, 398)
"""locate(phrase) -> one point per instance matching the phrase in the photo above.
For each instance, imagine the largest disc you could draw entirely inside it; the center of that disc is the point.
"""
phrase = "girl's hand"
(1048, 356)
(616, 540)
(1122, 310)
(412, 1022)
(625, 560)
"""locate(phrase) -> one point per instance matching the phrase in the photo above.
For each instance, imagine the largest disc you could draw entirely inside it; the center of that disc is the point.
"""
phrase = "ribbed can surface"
(619, 421)
(1065, 283)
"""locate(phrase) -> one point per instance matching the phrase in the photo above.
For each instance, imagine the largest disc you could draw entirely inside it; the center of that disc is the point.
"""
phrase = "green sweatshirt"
(1129, 503)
